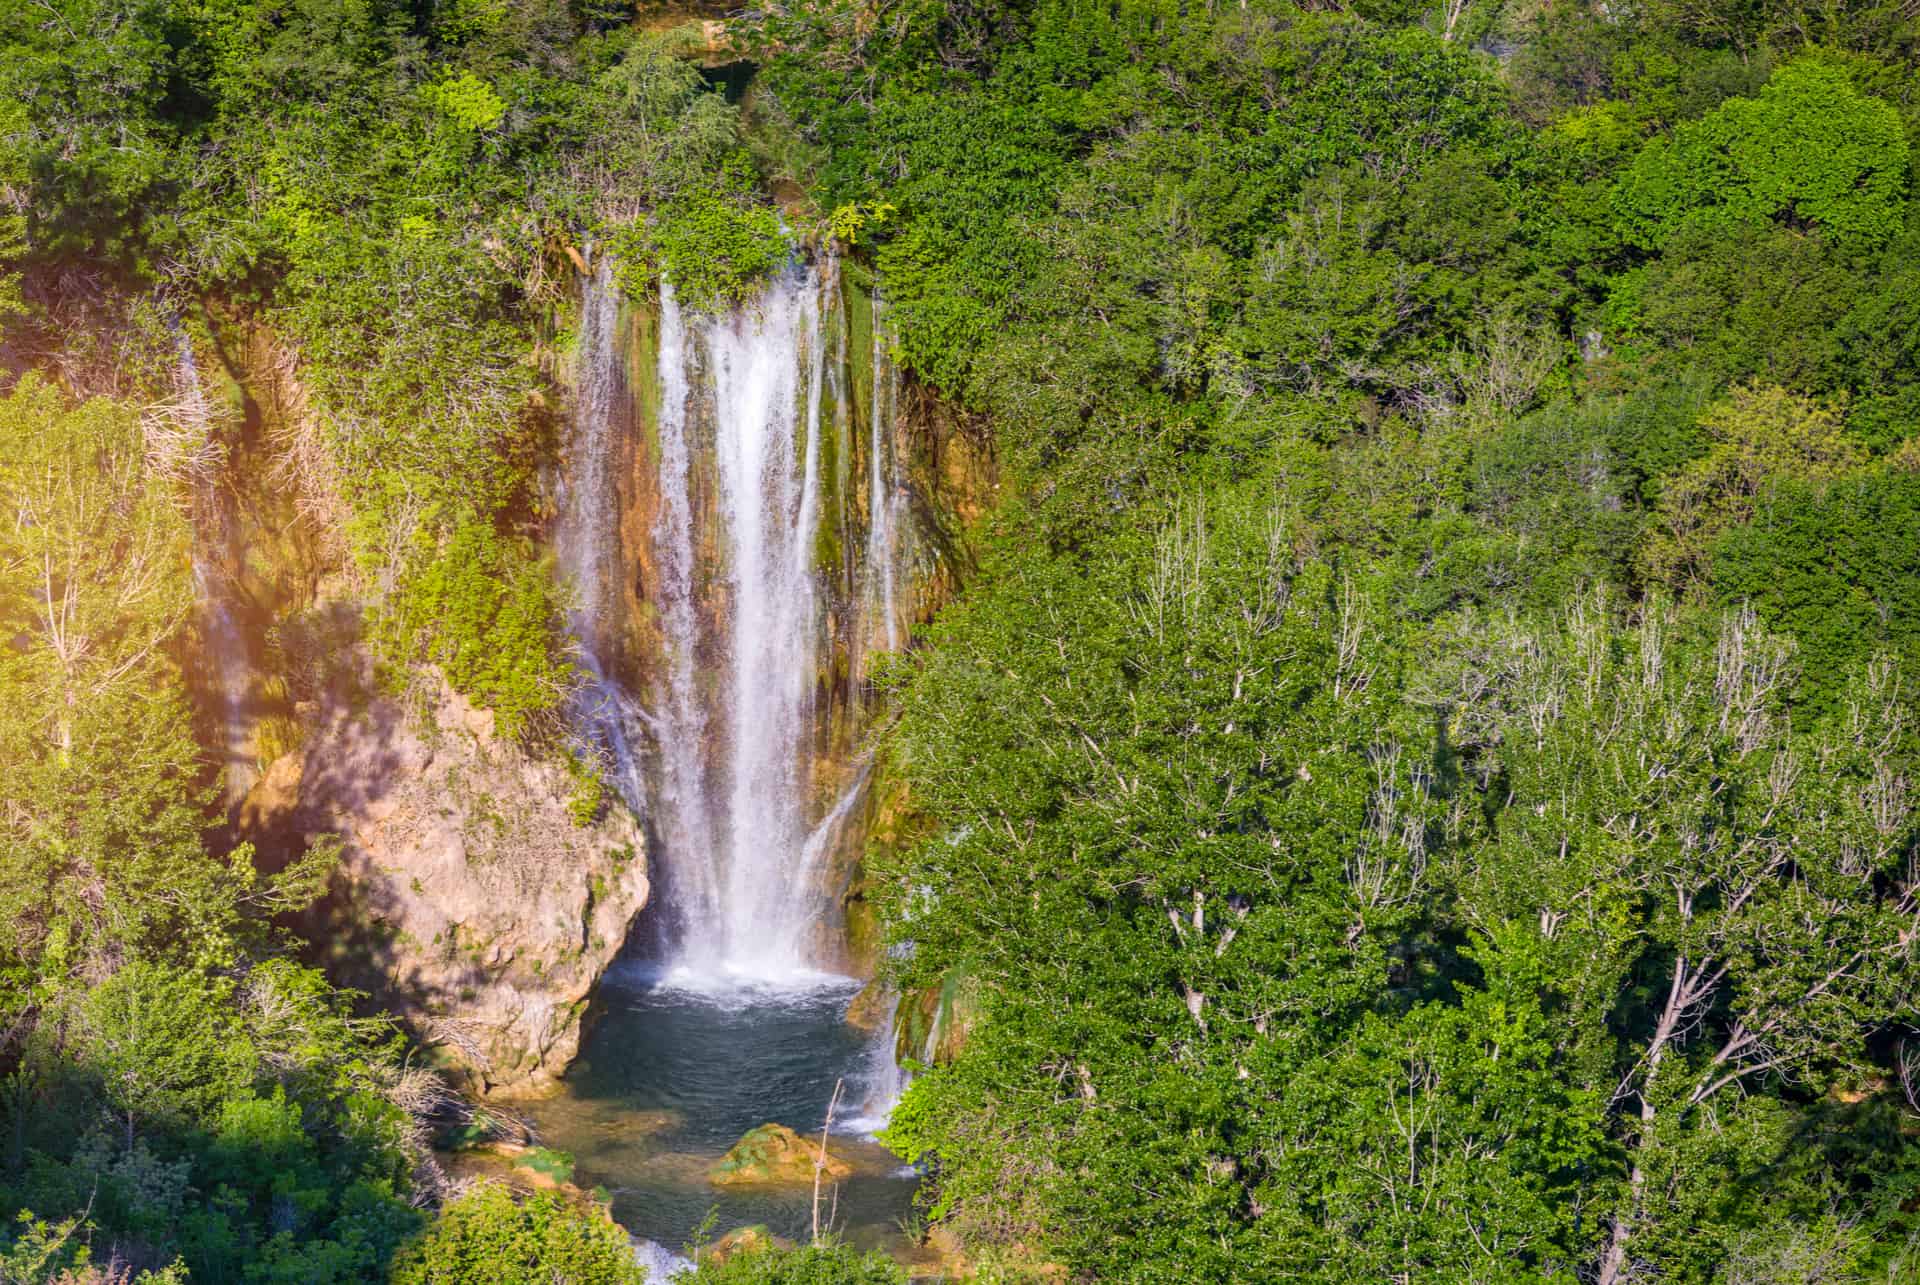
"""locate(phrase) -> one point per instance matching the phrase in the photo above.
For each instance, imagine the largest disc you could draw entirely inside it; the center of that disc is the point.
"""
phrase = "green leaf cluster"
(485, 611)
(1810, 148)
(487, 1237)
(717, 242)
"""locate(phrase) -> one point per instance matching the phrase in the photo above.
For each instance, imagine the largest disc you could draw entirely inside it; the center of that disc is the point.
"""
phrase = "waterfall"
(224, 645)
(880, 1078)
(680, 719)
(586, 536)
(739, 600)
(766, 455)
(883, 494)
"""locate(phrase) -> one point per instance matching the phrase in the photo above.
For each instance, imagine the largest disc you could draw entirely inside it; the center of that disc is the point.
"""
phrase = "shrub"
(812, 1265)
(488, 614)
(718, 243)
(486, 1237)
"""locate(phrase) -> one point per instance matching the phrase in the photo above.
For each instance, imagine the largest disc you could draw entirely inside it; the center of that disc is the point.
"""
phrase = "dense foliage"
(828, 1264)
(182, 1099)
(394, 190)
(178, 1089)
(1423, 787)
(1422, 790)
(486, 1237)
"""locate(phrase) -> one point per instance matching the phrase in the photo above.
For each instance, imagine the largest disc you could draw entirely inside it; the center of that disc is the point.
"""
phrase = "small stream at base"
(674, 1070)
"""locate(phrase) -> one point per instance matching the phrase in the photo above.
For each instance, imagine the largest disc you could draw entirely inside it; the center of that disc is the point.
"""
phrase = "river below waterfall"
(671, 1075)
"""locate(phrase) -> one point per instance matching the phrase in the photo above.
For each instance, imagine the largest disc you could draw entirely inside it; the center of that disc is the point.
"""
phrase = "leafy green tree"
(718, 242)
(43, 1252)
(1439, 1143)
(1761, 437)
(100, 843)
(1184, 791)
(165, 1043)
(1833, 566)
(100, 95)
(1810, 148)
(481, 609)
(1723, 896)
(154, 1037)
(93, 553)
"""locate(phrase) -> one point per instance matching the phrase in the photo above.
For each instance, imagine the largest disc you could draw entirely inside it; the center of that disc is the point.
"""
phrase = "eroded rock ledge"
(467, 900)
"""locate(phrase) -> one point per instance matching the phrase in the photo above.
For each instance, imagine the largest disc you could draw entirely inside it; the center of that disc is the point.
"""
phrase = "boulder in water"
(872, 1008)
(774, 1153)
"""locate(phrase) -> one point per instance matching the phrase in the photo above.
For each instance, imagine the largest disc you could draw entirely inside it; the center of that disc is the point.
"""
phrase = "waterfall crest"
(740, 588)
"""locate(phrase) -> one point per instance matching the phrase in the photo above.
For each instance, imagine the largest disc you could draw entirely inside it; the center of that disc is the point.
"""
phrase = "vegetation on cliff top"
(391, 188)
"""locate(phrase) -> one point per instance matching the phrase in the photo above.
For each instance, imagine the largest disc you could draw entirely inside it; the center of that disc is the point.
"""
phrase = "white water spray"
(730, 716)
(659, 1264)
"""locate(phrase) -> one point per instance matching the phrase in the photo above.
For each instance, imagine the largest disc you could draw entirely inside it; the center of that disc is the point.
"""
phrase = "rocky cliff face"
(467, 899)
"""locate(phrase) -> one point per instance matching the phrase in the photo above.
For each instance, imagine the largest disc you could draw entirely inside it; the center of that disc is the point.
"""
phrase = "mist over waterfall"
(698, 516)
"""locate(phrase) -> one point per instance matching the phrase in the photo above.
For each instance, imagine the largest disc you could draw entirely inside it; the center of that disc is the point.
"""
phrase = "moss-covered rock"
(772, 1154)
(935, 1022)
(873, 1007)
(743, 1240)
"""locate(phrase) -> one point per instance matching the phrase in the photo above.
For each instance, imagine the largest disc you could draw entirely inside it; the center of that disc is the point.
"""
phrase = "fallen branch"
(820, 1159)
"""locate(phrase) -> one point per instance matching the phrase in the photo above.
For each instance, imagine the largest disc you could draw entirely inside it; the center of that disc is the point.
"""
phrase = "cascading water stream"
(679, 719)
(224, 644)
(767, 505)
(880, 1079)
(586, 536)
(883, 495)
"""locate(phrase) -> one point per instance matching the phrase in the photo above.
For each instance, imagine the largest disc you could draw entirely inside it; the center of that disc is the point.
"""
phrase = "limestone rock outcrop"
(467, 899)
